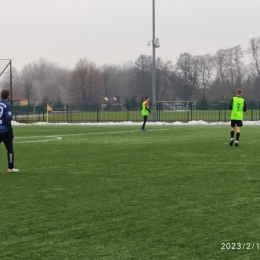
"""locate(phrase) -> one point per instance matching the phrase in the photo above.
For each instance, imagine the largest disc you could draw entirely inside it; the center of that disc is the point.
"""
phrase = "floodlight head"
(156, 41)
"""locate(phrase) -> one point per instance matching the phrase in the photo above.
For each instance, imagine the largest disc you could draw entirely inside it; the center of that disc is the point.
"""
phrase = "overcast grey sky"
(115, 31)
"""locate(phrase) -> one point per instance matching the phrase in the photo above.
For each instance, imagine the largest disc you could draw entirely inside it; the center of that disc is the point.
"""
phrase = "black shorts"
(238, 123)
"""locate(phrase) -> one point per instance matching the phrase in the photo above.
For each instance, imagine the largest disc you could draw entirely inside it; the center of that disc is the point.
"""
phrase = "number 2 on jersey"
(1, 111)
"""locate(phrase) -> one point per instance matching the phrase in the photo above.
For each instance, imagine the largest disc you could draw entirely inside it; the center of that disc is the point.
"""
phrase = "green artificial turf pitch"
(89, 192)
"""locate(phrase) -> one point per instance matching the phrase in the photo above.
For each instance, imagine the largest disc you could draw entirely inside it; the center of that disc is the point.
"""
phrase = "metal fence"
(131, 112)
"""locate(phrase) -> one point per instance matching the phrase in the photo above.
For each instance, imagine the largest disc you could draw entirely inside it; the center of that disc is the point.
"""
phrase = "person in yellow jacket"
(238, 107)
(145, 111)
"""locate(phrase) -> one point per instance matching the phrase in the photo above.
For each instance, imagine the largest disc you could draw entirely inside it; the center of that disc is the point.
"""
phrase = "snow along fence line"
(129, 123)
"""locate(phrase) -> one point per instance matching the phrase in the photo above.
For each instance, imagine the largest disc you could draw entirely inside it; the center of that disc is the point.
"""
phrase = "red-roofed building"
(19, 101)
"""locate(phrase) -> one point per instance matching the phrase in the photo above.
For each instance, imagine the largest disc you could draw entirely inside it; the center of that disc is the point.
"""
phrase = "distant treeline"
(206, 78)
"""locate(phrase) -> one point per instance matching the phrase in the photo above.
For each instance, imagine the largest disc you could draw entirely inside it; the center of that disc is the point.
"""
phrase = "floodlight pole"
(154, 70)
(11, 79)
(11, 85)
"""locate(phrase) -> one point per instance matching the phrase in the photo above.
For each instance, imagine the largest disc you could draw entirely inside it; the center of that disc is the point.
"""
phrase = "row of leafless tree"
(202, 78)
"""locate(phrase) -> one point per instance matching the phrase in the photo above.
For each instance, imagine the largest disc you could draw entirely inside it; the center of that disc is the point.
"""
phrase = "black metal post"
(11, 85)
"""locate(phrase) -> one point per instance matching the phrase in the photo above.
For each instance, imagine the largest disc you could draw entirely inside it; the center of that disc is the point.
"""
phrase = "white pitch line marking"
(121, 132)
(116, 132)
(40, 141)
(242, 142)
(40, 136)
(59, 137)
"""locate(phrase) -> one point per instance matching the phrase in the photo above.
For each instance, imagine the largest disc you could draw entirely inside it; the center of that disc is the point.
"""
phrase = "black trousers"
(7, 139)
(145, 120)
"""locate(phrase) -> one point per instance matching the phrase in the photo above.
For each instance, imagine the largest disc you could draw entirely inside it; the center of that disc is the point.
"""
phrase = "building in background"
(19, 101)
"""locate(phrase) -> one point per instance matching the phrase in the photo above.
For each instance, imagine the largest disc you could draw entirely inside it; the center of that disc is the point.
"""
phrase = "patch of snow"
(129, 123)
(17, 123)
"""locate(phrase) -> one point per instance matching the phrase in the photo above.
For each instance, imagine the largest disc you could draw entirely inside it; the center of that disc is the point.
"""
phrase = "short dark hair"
(239, 91)
(146, 97)
(5, 94)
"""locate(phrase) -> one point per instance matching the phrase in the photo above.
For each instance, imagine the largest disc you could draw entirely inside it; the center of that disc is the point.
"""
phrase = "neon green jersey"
(145, 105)
(238, 108)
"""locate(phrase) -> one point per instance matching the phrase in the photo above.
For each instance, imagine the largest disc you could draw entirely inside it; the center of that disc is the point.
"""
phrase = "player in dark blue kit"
(6, 131)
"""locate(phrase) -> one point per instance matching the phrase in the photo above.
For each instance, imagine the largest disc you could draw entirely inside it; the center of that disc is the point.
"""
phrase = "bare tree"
(230, 66)
(187, 69)
(141, 76)
(205, 71)
(238, 56)
(254, 67)
(29, 91)
(220, 62)
(109, 73)
(86, 82)
(254, 50)
(41, 77)
(28, 87)
(122, 80)
(229, 69)
(163, 74)
(234, 67)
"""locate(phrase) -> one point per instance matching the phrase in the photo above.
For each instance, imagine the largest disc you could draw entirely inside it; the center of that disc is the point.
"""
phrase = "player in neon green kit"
(238, 107)
(145, 111)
